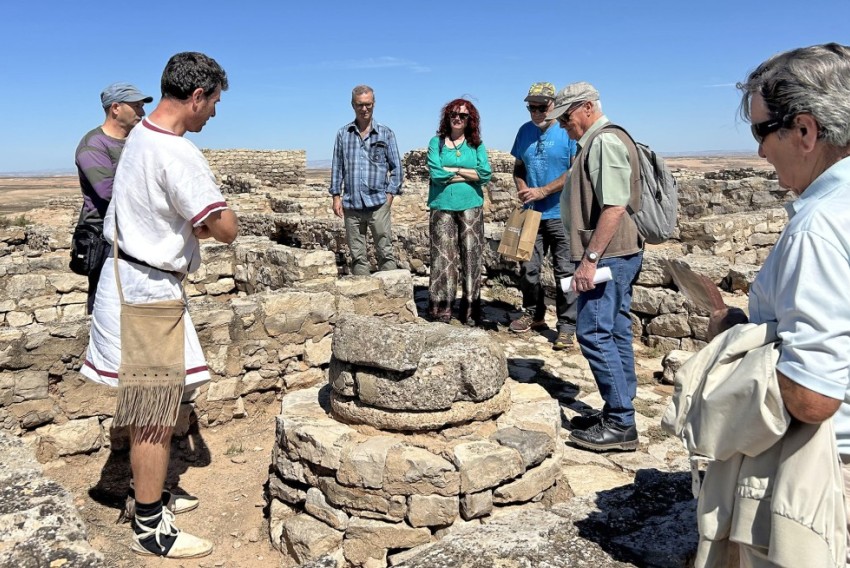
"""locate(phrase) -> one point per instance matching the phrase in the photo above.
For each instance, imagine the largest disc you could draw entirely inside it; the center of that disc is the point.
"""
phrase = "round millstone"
(355, 412)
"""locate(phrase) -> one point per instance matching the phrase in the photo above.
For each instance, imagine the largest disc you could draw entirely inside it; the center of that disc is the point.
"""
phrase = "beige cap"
(570, 95)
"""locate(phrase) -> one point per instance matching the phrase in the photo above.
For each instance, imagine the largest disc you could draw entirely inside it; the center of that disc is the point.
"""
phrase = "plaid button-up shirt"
(364, 171)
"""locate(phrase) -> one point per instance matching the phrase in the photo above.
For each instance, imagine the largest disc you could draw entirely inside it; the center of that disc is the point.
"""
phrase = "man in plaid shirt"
(365, 176)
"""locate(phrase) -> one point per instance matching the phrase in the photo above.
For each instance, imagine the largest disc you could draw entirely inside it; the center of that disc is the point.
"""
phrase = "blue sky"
(665, 70)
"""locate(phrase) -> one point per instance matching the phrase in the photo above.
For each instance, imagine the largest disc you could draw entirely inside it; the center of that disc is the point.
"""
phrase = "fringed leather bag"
(153, 365)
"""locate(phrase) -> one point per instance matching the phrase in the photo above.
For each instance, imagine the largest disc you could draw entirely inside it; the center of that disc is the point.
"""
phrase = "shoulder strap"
(115, 257)
(634, 162)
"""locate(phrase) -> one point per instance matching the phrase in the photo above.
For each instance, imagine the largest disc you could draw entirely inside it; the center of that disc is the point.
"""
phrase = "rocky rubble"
(38, 521)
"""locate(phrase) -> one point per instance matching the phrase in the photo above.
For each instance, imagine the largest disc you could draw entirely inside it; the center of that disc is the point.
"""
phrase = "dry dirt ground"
(718, 162)
(226, 466)
(18, 196)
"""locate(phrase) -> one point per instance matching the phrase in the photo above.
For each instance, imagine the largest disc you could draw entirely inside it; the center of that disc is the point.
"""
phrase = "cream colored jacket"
(774, 483)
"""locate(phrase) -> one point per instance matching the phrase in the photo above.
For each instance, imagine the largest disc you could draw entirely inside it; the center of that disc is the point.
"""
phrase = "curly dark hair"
(472, 132)
(188, 71)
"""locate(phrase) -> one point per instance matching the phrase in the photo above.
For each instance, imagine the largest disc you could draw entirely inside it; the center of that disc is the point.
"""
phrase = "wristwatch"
(591, 256)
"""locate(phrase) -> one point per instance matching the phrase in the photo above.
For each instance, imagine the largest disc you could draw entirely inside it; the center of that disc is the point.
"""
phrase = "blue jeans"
(604, 332)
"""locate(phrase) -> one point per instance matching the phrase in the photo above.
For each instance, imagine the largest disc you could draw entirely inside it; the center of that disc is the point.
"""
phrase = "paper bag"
(520, 233)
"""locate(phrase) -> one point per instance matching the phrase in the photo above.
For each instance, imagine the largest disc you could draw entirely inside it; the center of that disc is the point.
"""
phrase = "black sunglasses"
(761, 130)
(461, 115)
(565, 117)
(537, 108)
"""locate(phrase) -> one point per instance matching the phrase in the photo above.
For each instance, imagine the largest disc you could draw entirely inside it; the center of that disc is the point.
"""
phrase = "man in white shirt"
(164, 200)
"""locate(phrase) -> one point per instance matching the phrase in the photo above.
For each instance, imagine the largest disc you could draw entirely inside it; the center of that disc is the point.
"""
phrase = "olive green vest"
(585, 209)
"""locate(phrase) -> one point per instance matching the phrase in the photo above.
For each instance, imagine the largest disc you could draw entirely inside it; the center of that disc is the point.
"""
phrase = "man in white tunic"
(165, 200)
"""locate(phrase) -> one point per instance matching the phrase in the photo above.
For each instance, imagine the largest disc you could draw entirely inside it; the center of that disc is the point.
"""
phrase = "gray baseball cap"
(122, 93)
(570, 95)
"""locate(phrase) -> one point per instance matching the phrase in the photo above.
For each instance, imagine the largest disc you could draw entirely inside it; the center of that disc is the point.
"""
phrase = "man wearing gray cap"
(602, 234)
(97, 157)
(543, 155)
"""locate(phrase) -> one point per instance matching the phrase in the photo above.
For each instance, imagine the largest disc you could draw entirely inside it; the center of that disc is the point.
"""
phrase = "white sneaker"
(185, 545)
(175, 502)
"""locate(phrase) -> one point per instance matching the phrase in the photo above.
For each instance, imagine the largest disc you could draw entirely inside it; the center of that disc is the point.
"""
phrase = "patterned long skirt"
(457, 243)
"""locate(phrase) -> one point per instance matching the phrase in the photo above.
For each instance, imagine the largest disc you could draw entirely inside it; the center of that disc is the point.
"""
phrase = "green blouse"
(462, 195)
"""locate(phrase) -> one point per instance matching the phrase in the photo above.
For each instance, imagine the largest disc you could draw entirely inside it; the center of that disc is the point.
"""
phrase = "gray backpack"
(656, 213)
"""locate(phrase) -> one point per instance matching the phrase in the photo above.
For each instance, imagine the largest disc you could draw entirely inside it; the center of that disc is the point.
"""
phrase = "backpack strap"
(634, 161)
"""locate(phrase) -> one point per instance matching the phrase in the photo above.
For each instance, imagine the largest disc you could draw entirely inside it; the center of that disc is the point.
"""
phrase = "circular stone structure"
(362, 481)
(409, 366)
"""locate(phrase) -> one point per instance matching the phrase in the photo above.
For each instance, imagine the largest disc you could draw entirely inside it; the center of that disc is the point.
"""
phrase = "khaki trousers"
(379, 222)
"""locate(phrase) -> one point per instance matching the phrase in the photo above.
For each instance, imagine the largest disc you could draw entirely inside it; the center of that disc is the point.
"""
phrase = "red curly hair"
(472, 132)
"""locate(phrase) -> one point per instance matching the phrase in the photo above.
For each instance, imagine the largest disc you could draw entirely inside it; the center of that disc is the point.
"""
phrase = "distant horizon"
(326, 163)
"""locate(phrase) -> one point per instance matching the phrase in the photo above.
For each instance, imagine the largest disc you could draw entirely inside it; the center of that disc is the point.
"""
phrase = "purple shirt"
(96, 158)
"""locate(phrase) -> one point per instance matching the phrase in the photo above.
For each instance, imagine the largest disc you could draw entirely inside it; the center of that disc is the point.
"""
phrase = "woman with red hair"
(458, 165)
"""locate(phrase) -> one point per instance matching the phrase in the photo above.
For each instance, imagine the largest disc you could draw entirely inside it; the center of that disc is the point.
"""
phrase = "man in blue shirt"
(543, 155)
(365, 175)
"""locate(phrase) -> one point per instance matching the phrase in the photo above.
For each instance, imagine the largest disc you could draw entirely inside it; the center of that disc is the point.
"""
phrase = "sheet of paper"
(697, 288)
(602, 275)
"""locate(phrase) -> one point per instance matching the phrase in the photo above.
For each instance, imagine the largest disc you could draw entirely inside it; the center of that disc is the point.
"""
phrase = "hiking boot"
(526, 322)
(156, 539)
(605, 436)
(585, 421)
(564, 341)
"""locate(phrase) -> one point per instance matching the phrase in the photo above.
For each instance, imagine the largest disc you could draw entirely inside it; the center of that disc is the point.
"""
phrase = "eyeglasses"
(761, 130)
(363, 105)
(461, 115)
(537, 108)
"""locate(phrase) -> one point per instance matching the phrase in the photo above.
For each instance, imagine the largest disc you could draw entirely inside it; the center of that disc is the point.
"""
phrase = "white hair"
(813, 80)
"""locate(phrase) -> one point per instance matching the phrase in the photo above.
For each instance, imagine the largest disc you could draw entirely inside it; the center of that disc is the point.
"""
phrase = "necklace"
(457, 146)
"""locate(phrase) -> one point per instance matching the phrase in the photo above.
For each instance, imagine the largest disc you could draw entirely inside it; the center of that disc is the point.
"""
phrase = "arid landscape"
(21, 194)
(227, 466)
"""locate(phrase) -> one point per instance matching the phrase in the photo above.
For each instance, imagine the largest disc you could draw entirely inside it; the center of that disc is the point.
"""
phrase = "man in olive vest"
(602, 234)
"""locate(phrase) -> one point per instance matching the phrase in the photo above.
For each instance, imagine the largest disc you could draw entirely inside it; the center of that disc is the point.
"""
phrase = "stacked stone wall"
(264, 312)
(728, 223)
(238, 170)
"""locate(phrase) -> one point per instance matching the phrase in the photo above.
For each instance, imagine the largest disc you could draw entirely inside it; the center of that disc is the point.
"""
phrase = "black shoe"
(585, 421)
(606, 436)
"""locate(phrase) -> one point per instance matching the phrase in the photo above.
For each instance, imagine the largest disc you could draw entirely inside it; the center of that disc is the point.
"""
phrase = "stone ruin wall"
(240, 170)
(290, 256)
(728, 222)
(266, 307)
(264, 312)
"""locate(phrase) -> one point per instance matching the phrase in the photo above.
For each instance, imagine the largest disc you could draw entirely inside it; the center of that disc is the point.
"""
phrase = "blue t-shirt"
(546, 156)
